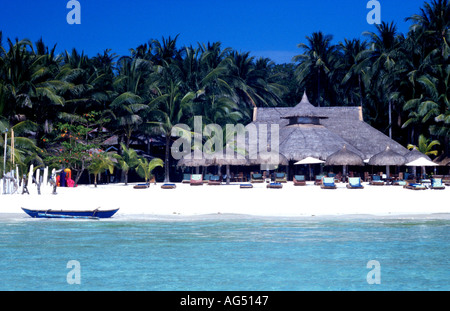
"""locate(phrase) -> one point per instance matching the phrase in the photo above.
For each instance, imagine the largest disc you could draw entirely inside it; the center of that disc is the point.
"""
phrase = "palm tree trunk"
(228, 174)
(360, 90)
(126, 178)
(166, 160)
(318, 88)
(390, 119)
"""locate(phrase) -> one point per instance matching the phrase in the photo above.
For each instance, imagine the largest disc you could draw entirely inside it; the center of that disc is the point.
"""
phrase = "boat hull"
(87, 214)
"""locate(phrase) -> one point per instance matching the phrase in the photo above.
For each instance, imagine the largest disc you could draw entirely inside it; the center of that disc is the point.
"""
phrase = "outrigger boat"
(86, 214)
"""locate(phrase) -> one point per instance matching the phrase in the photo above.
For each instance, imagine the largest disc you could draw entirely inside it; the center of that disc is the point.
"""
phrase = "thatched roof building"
(415, 154)
(308, 131)
(345, 157)
(387, 157)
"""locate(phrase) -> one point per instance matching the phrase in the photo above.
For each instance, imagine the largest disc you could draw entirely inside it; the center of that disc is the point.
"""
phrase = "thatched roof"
(300, 141)
(303, 109)
(345, 157)
(230, 157)
(274, 159)
(192, 161)
(415, 154)
(345, 122)
(442, 161)
(387, 157)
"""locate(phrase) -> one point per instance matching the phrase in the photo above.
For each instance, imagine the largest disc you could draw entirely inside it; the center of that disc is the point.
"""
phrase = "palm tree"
(86, 83)
(127, 109)
(428, 40)
(168, 110)
(433, 25)
(130, 94)
(425, 146)
(100, 163)
(126, 161)
(25, 150)
(30, 83)
(386, 56)
(431, 111)
(316, 65)
(164, 52)
(145, 167)
(352, 64)
(250, 83)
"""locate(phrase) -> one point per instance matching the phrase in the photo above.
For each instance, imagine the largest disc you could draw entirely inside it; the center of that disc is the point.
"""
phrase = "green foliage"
(76, 102)
(425, 146)
(145, 167)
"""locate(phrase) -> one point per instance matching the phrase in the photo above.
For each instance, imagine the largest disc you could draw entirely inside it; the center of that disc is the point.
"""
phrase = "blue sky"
(265, 28)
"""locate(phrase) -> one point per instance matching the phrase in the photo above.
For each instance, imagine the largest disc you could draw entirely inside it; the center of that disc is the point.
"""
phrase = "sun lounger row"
(260, 178)
(197, 180)
(324, 182)
(436, 184)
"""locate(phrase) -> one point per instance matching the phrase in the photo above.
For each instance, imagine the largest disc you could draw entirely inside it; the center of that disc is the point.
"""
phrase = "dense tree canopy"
(400, 80)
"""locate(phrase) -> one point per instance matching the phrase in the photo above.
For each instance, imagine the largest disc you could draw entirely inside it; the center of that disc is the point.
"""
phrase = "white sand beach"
(186, 200)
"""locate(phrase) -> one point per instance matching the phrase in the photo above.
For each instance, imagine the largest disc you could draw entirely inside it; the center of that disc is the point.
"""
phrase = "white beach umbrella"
(309, 161)
(421, 162)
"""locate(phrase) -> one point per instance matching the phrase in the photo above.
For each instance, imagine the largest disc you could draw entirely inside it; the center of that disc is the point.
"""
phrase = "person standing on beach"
(24, 184)
(62, 178)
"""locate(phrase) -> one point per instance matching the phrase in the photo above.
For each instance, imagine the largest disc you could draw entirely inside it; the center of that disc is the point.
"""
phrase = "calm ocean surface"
(224, 254)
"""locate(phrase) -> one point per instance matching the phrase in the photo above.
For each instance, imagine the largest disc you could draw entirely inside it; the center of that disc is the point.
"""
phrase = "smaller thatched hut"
(387, 158)
(193, 160)
(345, 158)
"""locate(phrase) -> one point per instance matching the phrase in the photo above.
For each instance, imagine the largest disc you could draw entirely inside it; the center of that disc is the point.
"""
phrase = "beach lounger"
(206, 178)
(446, 180)
(399, 183)
(214, 180)
(246, 186)
(436, 184)
(274, 185)
(318, 180)
(186, 178)
(336, 179)
(299, 180)
(354, 183)
(141, 186)
(256, 178)
(328, 183)
(415, 186)
(377, 181)
(280, 178)
(168, 186)
(196, 180)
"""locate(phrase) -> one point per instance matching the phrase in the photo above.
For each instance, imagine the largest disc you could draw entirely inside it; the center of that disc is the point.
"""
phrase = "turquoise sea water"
(224, 253)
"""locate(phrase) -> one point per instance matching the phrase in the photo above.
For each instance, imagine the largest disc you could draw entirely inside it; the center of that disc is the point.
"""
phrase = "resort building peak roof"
(304, 109)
